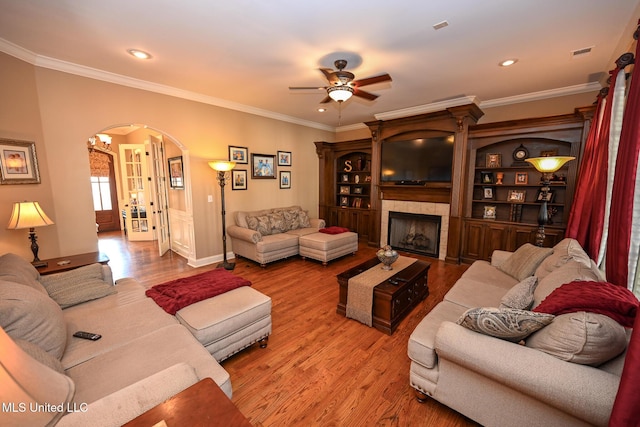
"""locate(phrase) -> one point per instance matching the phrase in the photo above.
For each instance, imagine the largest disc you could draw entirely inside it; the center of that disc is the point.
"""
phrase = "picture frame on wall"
(239, 155)
(263, 166)
(18, 162)
(238, 179)
(285, 180)
(284, 158)
(176, 173)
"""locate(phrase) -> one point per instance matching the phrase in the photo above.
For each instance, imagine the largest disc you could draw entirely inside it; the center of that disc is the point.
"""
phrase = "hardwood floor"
(319, 369)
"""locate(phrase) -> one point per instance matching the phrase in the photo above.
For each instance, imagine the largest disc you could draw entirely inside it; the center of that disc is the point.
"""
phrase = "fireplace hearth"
(416, 233)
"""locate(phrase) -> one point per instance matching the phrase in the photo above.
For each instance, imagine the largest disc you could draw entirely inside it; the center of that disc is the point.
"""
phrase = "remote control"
(87, 335)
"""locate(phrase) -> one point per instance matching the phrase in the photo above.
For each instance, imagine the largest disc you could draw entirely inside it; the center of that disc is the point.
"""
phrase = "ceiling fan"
(342, 84)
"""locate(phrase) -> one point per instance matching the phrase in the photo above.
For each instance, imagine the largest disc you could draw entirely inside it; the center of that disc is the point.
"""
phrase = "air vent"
(581, 52)
(440, 25)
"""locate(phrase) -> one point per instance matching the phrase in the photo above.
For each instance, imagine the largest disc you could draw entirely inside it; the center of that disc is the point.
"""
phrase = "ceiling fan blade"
(363, 94)
(307, 87)
(329, 75)
(326, 100)
(372, 80)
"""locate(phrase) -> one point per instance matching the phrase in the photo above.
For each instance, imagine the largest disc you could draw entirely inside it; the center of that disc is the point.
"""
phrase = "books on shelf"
(515, 214)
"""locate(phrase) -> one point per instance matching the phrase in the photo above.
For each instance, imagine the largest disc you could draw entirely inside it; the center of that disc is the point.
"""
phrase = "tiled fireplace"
(407, 221)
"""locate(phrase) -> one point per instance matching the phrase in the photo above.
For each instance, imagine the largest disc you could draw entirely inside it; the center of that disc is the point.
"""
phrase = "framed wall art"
(176, 173)
(489, 212)
(285, 179)
(522, 178)
(18, 162)
(263, 166)
(284, 158)
(487, 192)
(238, 179)
(239, 154)
(516, 196)
(494, 160)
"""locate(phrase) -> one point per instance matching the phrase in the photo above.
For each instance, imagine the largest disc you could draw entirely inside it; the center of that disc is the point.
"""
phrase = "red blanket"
(333, 230)
(605, 298)
(179, 293)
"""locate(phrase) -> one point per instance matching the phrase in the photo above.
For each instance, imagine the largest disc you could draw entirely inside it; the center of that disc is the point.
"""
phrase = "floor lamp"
(222, 167)
(547, 166)
(29, 215)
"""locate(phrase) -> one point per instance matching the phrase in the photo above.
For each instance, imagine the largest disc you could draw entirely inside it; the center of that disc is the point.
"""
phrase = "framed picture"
(239, 155)
(516, 196)
(486, 177)
(357, 190)
(263, 166)
(284, 158)
(344, 201)
(238, 179)
(18, 162)
(176, 173)
(344, 189)
(487, 192)
(494, 160)
(345, 178)
(522, 178)
(549, 197)
(285, 179)
(489, 212)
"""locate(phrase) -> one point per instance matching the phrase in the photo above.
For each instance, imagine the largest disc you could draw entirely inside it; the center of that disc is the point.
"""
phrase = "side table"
(65, 263)
(203, 404)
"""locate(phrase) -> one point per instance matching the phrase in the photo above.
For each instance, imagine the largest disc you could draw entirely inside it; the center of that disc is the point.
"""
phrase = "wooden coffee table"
(394, 298)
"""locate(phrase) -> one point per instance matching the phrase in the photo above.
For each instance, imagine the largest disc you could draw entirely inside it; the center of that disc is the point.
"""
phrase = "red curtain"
(626, 408)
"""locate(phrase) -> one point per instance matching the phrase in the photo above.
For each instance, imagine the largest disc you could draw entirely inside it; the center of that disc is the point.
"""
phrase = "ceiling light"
(140, 54)
(508, 62)
(340, 93)
(322, 110)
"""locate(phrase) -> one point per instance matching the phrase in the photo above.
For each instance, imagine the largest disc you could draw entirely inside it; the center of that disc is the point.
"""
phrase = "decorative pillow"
(571, 271)
(524, 261)
(566, 250)
(277, 223)
(77, 286)
(38, 353)
(260, 224)
(617, 302)
(18, 270)
(507, 323)
(29, 315)
(521, 295)
(333, 230)
(304, 219)
(291, 219)
(584, 338)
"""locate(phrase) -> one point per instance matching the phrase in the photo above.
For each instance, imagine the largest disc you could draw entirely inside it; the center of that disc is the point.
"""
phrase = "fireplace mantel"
(435, 192)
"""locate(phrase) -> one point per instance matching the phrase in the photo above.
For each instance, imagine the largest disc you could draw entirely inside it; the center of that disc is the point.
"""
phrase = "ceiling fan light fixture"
(340, 93)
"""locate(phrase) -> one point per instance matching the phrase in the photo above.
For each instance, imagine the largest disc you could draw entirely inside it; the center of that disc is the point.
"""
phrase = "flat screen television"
(417, 161)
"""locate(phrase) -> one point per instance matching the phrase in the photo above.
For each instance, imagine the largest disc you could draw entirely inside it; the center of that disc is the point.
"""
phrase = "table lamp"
(222, 167)
(29, 215)
(547, 166)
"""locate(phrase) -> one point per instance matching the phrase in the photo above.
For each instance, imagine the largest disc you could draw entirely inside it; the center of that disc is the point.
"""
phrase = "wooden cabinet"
(502, 195)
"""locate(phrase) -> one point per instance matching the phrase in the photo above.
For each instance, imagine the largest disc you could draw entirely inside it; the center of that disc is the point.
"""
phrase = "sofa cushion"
(524, 261)
(77, 286)
(506, 323)
(260, 224)
(572, 270)
(581, 337)
(18, 270)
(521, 295)
(277, 223)
(40, 354)
(566, 250)
(29, 315)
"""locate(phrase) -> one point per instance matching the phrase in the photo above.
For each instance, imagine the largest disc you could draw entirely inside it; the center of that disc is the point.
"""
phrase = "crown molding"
(426, 108)
(543, 94)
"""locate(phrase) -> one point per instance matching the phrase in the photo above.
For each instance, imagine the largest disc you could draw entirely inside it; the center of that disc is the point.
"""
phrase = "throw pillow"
(584, 338)
(571, 271)
(29, 315)
(77, 286)
(277, 223)
(305, 222)
(617, 302)
(333, 230)
(507, 323)
(521, 295)
(566, 250)
(524, 261)
(260, 224)
(39, 354)
(18, 270)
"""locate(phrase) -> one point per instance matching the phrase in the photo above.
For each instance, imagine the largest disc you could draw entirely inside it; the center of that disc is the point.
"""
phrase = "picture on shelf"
(489, 212)
(344, 201)
(344, 189)
(516, 196)
(522, 178)
(549, 197)
(357, 190)
(486, 177)
(345, 178)
(487, 192)
(494, 160)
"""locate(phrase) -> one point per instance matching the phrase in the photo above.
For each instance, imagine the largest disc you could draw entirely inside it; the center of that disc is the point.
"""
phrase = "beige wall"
(60, 111)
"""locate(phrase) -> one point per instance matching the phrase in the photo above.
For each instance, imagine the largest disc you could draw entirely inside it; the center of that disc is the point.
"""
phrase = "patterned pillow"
(507, 324)
(521, 295)
(77, 286)
(292, 218)
(277, 223)
(524, 261)
(304, 219)
(260, 224)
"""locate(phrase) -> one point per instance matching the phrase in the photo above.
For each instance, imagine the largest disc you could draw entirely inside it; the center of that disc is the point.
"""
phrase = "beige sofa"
(144, 356)
(497, 382)
(272, 234)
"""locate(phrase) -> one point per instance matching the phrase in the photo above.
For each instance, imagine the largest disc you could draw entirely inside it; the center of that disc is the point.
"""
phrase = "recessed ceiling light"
(322, 110)
(140, 54)
(508, 62)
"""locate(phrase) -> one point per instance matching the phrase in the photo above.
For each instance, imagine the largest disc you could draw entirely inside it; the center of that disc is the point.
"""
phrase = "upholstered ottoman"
(229, 322)
(326, 247)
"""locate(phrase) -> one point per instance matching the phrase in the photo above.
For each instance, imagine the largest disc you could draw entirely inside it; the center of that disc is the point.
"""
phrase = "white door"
(137, 194)
(161, 205)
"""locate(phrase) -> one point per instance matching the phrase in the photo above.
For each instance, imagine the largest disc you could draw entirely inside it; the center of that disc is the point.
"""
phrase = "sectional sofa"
(492, 351)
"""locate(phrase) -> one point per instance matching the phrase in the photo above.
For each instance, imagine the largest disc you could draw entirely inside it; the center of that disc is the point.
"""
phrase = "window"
(101, 193)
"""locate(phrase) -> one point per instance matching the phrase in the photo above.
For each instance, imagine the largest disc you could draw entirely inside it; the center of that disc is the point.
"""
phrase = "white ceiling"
(245, 54)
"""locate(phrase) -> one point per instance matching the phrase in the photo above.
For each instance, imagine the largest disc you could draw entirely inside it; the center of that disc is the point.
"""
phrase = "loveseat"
(271, 234)
(491, 352)
(143, 357)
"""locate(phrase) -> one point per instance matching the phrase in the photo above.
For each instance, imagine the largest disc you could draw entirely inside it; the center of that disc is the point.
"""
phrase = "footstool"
(326, 247)
(229, 322)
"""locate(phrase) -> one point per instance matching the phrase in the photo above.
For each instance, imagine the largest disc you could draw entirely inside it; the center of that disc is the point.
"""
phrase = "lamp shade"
(340, 93)
(222, 165)
(27, 215)
(549, 164)
(33, 393)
